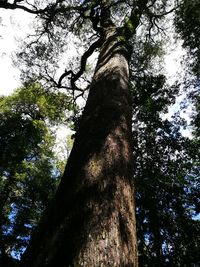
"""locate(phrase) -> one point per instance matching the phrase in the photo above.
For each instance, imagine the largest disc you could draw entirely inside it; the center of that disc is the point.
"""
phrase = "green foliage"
(166, 187)
(35, 102)
(29, 170)
(187, 22)
(166, 171)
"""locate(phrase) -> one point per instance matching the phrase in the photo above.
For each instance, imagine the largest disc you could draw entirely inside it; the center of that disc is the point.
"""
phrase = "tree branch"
(153, 15)
(50, 10)
(14, 5)
(85, 56)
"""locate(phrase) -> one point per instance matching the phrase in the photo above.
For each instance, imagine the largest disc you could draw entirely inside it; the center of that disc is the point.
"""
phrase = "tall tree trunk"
(91, 221)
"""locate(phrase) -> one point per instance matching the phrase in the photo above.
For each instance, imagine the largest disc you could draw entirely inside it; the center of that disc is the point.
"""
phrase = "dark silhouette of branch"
(85, 56)
(157, 16)
(50, 10)
(15, 5)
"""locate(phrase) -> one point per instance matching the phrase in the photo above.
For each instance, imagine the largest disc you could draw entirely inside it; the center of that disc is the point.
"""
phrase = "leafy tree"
(29, 170)
(187, 25)
(96, 224)
(166, 192)
(164, 164)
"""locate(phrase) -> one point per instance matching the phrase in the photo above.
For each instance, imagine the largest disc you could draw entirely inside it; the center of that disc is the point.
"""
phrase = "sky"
(14, 25)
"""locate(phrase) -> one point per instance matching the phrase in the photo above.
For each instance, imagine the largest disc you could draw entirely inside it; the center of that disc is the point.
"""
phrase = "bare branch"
(50, 10)
(15, 5)
(85, 56)
(158, 16)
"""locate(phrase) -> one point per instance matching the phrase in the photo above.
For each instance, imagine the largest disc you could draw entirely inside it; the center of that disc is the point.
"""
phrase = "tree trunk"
(91, 221)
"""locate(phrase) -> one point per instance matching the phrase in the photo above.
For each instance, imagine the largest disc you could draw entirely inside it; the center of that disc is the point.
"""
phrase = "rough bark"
(91, 221)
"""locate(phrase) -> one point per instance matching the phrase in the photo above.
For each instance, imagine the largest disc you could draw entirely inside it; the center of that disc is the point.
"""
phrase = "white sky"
(14, 25)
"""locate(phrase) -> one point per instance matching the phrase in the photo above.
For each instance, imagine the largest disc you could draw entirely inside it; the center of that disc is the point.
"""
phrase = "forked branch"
(75, 76)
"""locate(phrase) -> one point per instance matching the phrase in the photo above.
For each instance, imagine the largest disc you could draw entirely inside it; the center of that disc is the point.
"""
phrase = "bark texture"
(91, 221)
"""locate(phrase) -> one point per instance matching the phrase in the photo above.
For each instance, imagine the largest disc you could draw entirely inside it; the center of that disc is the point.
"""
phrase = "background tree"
(165, 170)
(29, 170)
(167, 191)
